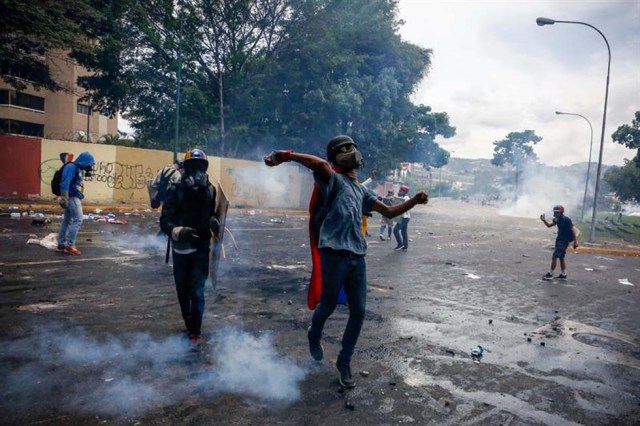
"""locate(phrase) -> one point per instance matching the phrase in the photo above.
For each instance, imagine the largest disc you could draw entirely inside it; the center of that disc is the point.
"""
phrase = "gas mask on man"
(88, 171)
(195, 175)
(349, 158)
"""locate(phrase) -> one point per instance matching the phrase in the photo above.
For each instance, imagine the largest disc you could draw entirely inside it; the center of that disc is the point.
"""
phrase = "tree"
(629, 136)
(33, 31)
(516, 149)
(625, 181)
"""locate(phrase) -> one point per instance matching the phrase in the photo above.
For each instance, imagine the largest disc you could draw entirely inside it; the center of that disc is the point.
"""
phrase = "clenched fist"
(277, 157)
(421, 197)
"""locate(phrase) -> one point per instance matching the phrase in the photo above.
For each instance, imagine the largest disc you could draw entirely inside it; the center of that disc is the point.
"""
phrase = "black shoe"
(344, 375)
(381, 237)
(398, 248)
(315, 347)
(548, 276)
(562, 276)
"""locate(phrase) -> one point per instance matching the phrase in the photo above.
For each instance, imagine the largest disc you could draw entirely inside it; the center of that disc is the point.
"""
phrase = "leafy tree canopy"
(515, 149)
(629, 136)
(625, 181)
(31, 29)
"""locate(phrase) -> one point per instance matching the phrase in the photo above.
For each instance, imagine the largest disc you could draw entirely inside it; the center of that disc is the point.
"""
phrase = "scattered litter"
(49, 242)
(450, 263)
(364, 373)
(392, 383)
(525, 255)
(252, 212)
(588, 269)
(450, 352)
(350, 405)
(476, 354)
(290, 302)
(276, 220)
(15, 215)
(472, 276)
(625, 281)
(542, 344)
(528, 339)
(129, 252)
(406, 337)
(446, 403)
(97, 211)
(490, 321)
(109, 379)
(7, 230)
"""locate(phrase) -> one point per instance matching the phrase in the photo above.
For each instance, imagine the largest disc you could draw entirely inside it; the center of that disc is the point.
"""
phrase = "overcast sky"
(495, 71)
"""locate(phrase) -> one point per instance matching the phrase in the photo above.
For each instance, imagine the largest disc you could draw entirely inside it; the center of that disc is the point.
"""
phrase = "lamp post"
(586, 185)
(546, 21)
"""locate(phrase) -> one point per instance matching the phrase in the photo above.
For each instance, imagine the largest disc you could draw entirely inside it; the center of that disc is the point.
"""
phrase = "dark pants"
(190, 272)
(348, 270)
(401, 228)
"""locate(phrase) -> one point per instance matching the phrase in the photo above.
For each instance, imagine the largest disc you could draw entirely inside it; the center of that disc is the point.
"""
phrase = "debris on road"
(472, 276)
(350, 405)
(490, 321)
(476, 354)
(364, 373)
(625, 281)
(49, 242)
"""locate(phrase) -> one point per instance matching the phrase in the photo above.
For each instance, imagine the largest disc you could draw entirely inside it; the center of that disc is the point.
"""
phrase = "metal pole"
(179, 79)
(586, 185)
(545, 21)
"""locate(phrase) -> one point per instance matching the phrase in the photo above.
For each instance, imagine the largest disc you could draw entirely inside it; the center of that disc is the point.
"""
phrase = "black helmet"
(193, 155)
(335, 143)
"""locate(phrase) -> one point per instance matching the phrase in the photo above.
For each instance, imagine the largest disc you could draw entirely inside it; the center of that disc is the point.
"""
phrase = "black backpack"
(57, 180)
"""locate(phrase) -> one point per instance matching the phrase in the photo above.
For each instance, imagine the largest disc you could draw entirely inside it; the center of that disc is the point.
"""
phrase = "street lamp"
(546, 21)
(586, 185)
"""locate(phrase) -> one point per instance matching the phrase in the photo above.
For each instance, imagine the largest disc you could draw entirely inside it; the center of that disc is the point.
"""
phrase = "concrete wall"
(27, 166)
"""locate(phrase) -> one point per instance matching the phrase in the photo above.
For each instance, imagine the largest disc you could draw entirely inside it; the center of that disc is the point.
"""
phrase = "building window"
(24, 100)
(83, 109)
(21, 127)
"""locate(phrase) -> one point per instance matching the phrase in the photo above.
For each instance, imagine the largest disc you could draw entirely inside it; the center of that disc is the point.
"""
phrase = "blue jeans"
(341, 268)
(71, 223)
(190, 272)
(401, 228)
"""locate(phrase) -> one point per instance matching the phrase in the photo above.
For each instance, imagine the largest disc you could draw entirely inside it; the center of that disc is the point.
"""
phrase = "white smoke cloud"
(541, 188)
(126, 375)
(249, 365)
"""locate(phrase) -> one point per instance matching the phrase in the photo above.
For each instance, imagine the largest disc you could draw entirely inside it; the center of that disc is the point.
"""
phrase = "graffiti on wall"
(111, 173)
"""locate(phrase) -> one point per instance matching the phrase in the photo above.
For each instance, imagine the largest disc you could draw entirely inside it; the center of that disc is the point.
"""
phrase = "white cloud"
(495, 71)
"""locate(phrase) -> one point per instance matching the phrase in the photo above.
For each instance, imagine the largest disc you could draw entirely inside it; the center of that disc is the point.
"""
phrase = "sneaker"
(381, 237)
(400, 248)
(344, 375)
(562, 276)
(71, 250)
(61, 247)
(315, 347)
(194, 340)
(548, 276)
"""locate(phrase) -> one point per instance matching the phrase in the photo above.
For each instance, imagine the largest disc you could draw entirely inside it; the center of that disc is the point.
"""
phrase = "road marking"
(91, 259)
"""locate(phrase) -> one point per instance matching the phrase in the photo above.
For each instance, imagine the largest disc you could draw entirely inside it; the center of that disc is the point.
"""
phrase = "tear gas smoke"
(540, 188)
(73, 371)
(266, 187)
(249, 365)
(142, 241)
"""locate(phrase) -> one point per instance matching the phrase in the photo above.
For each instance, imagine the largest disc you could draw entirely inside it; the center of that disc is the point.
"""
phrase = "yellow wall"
(121, 174)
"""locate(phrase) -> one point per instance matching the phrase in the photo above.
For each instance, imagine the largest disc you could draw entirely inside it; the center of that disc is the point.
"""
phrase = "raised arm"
(544, 220)
(318, 165)
(398, 209)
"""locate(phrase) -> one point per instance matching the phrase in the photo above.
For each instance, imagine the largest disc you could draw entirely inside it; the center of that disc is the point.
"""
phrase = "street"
(97, 338)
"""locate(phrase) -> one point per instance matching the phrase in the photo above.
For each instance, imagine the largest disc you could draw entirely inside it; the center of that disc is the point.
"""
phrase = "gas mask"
(195, 176)
(88, 171)
(349, 158)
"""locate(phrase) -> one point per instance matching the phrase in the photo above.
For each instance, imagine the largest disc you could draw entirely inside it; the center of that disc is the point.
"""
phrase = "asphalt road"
(98, 338)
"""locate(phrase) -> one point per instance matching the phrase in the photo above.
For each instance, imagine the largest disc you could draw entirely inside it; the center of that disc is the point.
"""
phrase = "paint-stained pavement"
(471, 277)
